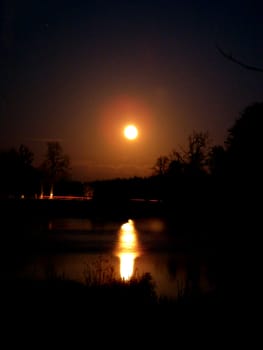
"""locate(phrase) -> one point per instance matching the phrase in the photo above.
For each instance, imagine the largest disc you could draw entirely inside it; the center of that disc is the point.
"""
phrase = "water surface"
(83, 248)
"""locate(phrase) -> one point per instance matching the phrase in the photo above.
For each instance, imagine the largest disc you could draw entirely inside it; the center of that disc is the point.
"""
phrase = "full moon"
(130, 132)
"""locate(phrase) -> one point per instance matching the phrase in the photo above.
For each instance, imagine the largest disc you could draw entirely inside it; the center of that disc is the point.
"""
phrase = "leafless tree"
(161, 166)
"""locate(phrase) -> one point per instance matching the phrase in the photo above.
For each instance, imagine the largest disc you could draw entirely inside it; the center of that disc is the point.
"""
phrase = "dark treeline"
(190, 178)
(19, 178)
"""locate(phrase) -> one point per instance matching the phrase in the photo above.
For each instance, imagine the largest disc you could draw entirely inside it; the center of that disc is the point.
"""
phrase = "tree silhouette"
(192, 161)
(244, 143)
(25, 155)
(198, 152)
(56, 164)
(161, 166)
(18, 176)
(28, 175)
(183, 173)
(242, 217)
(217, 161)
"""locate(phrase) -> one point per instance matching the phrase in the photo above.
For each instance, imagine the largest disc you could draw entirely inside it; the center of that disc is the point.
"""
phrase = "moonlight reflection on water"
(127, 249)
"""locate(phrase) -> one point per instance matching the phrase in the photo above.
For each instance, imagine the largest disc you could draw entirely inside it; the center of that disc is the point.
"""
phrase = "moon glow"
(130, 132)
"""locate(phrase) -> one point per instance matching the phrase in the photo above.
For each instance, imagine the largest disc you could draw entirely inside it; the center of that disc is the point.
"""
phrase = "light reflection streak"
(51, 195)
(127, 249)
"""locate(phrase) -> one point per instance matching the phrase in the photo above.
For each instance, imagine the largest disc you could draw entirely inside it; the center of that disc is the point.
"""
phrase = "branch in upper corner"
(233, 59)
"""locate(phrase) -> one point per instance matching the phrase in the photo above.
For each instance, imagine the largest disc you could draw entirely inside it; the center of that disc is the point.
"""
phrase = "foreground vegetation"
(113, 313)
(56, 294)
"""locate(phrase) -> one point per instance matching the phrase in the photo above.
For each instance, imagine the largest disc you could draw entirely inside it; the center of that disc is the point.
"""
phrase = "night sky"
(78, 71)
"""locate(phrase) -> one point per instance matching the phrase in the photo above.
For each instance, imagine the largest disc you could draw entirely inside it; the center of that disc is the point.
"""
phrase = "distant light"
(51, 195)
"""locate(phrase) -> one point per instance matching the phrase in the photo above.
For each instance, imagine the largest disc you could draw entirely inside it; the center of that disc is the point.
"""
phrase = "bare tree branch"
(233, 59)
